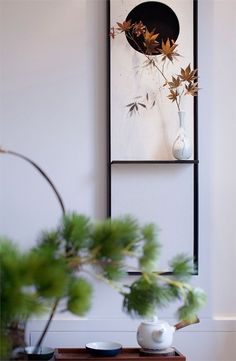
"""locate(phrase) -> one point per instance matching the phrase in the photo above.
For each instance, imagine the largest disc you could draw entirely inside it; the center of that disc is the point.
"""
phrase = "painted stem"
(146, 55)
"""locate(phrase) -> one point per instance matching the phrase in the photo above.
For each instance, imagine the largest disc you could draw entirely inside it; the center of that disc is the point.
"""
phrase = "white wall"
(53, 109)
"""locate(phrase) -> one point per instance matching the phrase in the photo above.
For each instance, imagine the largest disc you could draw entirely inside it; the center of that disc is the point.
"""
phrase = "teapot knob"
(157, 335)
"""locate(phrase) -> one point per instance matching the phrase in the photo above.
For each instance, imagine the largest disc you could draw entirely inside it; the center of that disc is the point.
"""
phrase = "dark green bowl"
(42, 353)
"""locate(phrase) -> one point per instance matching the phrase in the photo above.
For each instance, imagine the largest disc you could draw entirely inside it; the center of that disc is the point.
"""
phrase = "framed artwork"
(151, 43)
(152, 126)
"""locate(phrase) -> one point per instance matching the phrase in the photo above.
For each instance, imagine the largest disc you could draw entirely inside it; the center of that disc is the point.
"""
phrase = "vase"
(182, 148)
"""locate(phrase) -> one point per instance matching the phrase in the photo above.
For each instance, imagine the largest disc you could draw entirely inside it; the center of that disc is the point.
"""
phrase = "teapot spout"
(157, 335)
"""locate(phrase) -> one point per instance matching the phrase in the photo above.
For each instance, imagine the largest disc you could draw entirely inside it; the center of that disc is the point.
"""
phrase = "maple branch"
(146, 55)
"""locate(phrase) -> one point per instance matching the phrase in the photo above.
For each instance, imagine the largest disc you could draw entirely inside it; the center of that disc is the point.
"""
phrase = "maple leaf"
(175, 83)
(168, 50)
(173, 95)
(125, 26)
(188, 74)
(191, 89)
(139, 29)
(150, 42)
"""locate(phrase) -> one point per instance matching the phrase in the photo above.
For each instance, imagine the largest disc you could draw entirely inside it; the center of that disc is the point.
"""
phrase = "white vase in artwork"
(182, 148)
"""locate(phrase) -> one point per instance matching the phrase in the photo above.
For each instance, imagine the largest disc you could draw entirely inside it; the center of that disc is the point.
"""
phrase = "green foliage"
(53, 270)
(17, 301)
(194, 300)
(79, 296)
(150, 248)
(112, 239)
(181, 267)
(50, 239)
(49, 273)
(75, 230)
(111, 242)
(146, 295)
(5, 345)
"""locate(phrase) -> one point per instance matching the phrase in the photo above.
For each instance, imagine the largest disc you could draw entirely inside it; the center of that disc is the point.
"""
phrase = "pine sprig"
(50, 239)
(113, 238)
(15, 275)
(111, 242)
(79, 296)
(75, 231)
(146, 296)
(52, 279)
(181, 267)
(150, 249)
(194, 300)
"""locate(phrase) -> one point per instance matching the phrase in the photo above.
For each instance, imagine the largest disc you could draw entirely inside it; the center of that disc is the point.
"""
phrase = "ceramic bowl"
(103, 348)
(43, 353)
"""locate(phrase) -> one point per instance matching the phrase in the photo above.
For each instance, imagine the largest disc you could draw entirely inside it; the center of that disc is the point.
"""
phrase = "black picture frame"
(194, 162)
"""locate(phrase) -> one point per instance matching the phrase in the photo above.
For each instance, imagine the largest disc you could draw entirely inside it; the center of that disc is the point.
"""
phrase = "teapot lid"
(152, 321)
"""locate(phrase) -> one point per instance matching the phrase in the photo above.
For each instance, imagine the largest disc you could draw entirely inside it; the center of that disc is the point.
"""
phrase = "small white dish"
(103, 348)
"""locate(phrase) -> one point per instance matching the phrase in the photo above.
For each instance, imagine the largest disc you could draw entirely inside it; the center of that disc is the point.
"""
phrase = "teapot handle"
(182, 324)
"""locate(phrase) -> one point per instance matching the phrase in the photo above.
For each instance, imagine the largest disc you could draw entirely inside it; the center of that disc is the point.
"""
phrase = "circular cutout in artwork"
(155, 16)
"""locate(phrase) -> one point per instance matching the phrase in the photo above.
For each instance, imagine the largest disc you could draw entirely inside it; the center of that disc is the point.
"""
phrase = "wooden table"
(127, 354)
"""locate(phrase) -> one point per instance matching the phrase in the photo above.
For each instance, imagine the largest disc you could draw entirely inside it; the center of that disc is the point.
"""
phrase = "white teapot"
(158, 335)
